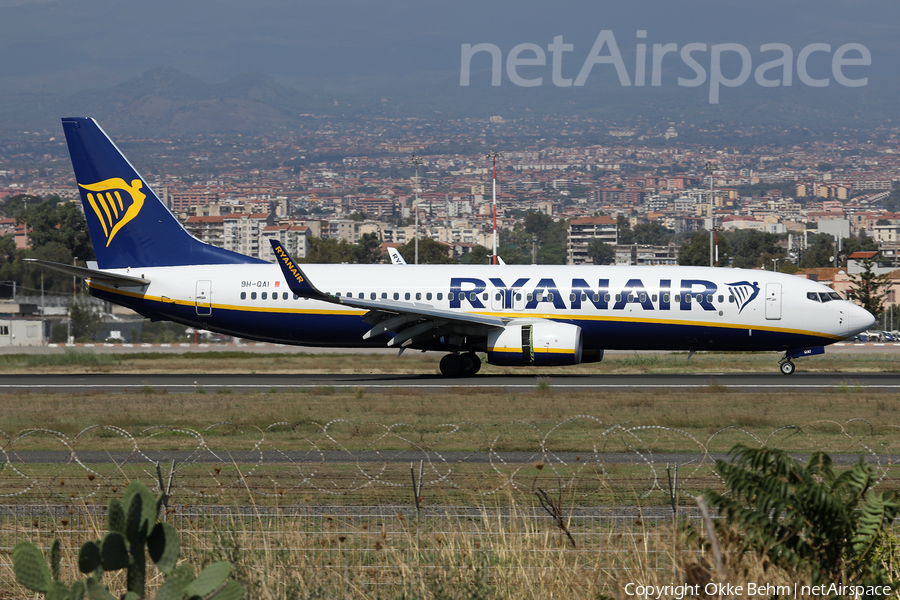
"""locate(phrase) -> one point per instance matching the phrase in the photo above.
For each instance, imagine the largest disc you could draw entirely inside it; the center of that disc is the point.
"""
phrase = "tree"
(600, 252)
(552, 254)
(479, 255)
(868, 289)
(695, 252)
(751, 248)
(430, 252)
(329, 251)
(85, 318)
(651, 234)
(819, 253)
(860, 244)
(368, 250)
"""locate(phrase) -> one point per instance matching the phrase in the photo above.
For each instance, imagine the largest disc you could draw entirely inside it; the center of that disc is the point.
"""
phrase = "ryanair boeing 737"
(517, 315)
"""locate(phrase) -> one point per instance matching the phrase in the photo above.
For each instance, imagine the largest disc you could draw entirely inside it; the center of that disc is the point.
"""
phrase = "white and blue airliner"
(535, 315)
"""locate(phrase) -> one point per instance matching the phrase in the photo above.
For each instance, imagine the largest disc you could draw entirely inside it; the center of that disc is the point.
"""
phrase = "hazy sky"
(360, 45)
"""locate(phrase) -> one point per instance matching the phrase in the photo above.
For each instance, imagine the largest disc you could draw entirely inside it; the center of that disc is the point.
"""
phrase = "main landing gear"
(460, 365)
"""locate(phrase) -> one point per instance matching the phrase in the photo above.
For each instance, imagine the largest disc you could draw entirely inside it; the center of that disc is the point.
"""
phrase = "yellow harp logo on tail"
(115, 203)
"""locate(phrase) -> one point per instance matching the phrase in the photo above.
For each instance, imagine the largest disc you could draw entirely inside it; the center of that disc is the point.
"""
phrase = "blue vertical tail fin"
(129, 225)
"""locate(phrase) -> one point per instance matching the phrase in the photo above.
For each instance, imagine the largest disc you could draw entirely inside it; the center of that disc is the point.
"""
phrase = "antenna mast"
(493, 155)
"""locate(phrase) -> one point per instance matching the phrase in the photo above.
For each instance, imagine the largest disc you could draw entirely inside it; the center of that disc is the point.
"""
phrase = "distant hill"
(165, 101)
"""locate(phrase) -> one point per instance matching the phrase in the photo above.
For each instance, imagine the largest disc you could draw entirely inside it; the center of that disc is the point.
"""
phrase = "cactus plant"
(133, 534)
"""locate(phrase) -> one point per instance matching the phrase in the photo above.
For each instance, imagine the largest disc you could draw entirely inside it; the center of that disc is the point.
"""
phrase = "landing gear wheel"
(451, 366)
(787, 367)
(471, 364)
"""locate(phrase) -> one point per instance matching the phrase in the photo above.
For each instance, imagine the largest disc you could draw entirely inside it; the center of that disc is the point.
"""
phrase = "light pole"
(774, 265)
(493, 155)
(417, 161)
(711, 168)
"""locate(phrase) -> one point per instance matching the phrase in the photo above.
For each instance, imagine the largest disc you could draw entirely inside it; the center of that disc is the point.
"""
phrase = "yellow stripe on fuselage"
(517, 315)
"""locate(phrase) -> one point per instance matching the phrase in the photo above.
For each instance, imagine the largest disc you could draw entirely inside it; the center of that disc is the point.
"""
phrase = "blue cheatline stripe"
(290, 325)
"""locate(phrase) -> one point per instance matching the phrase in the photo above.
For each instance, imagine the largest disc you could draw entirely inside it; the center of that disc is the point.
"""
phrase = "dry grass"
(505, 551)
(72, 361)
(508, 421)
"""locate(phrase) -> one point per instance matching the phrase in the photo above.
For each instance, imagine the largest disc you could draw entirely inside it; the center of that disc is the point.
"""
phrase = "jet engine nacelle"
(541, 343)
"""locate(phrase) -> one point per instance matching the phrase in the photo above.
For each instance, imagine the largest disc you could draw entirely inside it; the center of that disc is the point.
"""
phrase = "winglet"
(396, 257)
(296, 279)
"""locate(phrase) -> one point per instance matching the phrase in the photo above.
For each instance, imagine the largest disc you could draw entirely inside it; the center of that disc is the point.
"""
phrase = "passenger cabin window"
(643, 298)
(427, 295)
(263, 295)
(362, 295)
(687, 298)
(731, 299)
(473, 297)
(384, 295)
(618, 297)
(396, 295)
(550, 297)
(484, 296)
(571, 297)
(253, 295)
(449, 296)
(418, 295)
(596, 297)
(440, 296)
(406, 296)
(372, 296)
(530, 297)
(721, 298)
(666, 298)
(583, 296)
(708, 299)
(606, 297)
(296, 297)
(243, 295)
(653, 298)
(284, 295)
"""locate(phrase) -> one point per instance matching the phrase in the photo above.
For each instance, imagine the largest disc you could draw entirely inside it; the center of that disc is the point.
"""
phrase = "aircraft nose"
(858, 319)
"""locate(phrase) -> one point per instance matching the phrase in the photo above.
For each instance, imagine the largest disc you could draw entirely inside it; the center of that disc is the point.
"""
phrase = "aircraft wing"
(411, 321)
(92, 274)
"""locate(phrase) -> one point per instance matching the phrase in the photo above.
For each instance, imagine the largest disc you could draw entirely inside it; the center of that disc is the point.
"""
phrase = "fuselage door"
(203, 299)
(518, 299)
(497, 299)
(773, 301)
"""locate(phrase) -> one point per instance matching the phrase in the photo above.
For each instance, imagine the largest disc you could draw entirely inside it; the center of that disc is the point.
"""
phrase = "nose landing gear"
(787, 365)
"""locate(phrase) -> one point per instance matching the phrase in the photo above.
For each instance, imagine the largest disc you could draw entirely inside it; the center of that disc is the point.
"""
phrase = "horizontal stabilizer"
(92, 274)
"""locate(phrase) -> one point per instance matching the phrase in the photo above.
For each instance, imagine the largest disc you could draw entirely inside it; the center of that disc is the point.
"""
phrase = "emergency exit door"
(773, 301)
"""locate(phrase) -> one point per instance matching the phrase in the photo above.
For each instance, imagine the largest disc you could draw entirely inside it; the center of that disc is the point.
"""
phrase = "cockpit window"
(812, 296)
(824, 297)
(835, 296)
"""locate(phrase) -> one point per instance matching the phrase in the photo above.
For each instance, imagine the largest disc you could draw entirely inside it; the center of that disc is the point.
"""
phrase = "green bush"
(807, 517)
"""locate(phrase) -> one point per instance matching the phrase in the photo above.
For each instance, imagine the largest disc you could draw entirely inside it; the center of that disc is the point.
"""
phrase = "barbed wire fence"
(375, 496)
(342, 461)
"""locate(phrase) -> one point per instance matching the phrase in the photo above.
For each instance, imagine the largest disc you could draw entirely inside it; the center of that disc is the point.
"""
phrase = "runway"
(190, 383)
